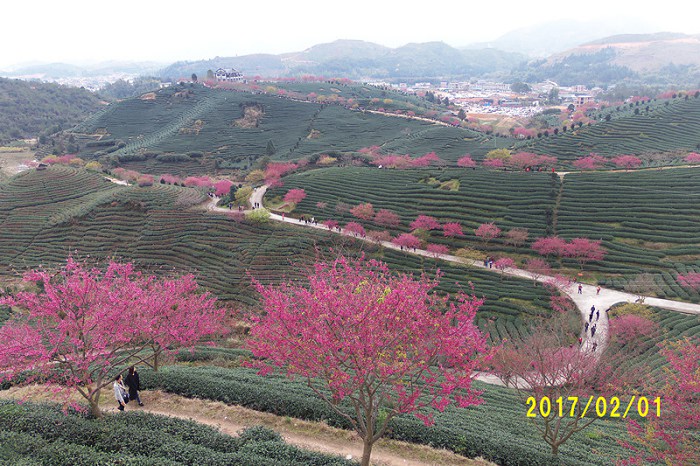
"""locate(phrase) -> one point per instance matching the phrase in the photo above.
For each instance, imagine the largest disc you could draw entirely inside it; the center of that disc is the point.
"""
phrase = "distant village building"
(228, 75)
(582, 99)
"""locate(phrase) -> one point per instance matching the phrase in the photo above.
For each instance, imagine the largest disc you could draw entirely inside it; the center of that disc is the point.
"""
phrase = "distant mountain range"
(655, 59)
(545, 39)
(65, 70)
(357, 59)
(567, 52)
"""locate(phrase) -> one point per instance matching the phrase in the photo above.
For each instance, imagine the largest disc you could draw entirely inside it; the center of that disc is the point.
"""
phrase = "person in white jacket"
(120, 393)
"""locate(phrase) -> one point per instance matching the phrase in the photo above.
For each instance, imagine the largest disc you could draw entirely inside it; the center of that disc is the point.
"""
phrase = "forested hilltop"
(32, 109)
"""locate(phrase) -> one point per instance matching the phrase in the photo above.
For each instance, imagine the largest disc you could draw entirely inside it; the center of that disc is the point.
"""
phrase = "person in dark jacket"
(134, 384)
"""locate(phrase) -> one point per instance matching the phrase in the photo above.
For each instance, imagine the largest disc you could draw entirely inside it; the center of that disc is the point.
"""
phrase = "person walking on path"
(580, 289)
(593, 330)
(597, 315)
(586, 327)
(134, 384)
(120, 393)
(597, 291)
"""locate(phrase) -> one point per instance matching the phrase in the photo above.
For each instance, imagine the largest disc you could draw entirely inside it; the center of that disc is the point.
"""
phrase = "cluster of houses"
(483, 96)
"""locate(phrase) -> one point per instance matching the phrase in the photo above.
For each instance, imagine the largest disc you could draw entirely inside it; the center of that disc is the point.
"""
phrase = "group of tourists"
(127, 389)
(308, 221)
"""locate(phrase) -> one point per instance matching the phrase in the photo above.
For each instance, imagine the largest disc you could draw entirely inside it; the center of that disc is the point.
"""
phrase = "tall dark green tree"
(270, 149)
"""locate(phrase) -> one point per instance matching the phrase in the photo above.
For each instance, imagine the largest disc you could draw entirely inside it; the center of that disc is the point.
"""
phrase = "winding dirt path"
(231, 420)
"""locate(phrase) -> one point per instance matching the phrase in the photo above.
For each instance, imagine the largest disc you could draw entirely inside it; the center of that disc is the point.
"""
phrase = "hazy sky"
(166, 31)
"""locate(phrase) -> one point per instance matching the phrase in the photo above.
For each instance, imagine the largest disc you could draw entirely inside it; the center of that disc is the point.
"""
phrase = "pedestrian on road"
(592, 309)
(120, 393)
(597, 291)
(595, 345)
(580, 341)
(597, 315)
(580, 289)
(133, 382)
(593, 330)
(590, 316)
(586, 328)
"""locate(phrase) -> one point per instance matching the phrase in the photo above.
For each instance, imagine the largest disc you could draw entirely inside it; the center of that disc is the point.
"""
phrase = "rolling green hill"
(653, 127)
(235, 127)
(29, 109)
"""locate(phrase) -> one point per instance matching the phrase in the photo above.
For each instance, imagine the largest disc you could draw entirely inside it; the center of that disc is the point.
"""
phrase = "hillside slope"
(28, 109)
(660, 125)
(236, 127)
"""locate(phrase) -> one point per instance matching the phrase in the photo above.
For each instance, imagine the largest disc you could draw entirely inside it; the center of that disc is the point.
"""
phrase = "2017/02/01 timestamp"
(600, 406)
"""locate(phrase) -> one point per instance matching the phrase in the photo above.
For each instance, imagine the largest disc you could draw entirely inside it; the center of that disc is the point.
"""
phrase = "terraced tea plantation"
(646, 219)
(496, 430)
(43, 434)
(510, 199)
(160, 226)
(665, 128)
(237, 126)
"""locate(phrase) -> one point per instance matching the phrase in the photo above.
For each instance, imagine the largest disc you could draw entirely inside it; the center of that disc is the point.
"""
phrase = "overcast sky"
(165, 31)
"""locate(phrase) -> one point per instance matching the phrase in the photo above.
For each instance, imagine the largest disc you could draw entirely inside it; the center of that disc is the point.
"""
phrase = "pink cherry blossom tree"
(387, 218)
(516, 236)
(549, 246)
(504, 263)
(537, 268)
(672, 437)
(431, 158)
(425, 222)
(592, 162)
(222, 187)
(493, 163)
(627, 161)
(689, 280)
(330, 224)
(356, 229)
(295, 196)
(384, 342)
(452, 230)
(466, 162)
(487, 231)
(436, 250)
(88, 322)
(406, 240)
(379, 236)
(693, 157)
(363, 211)
(584, 250)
